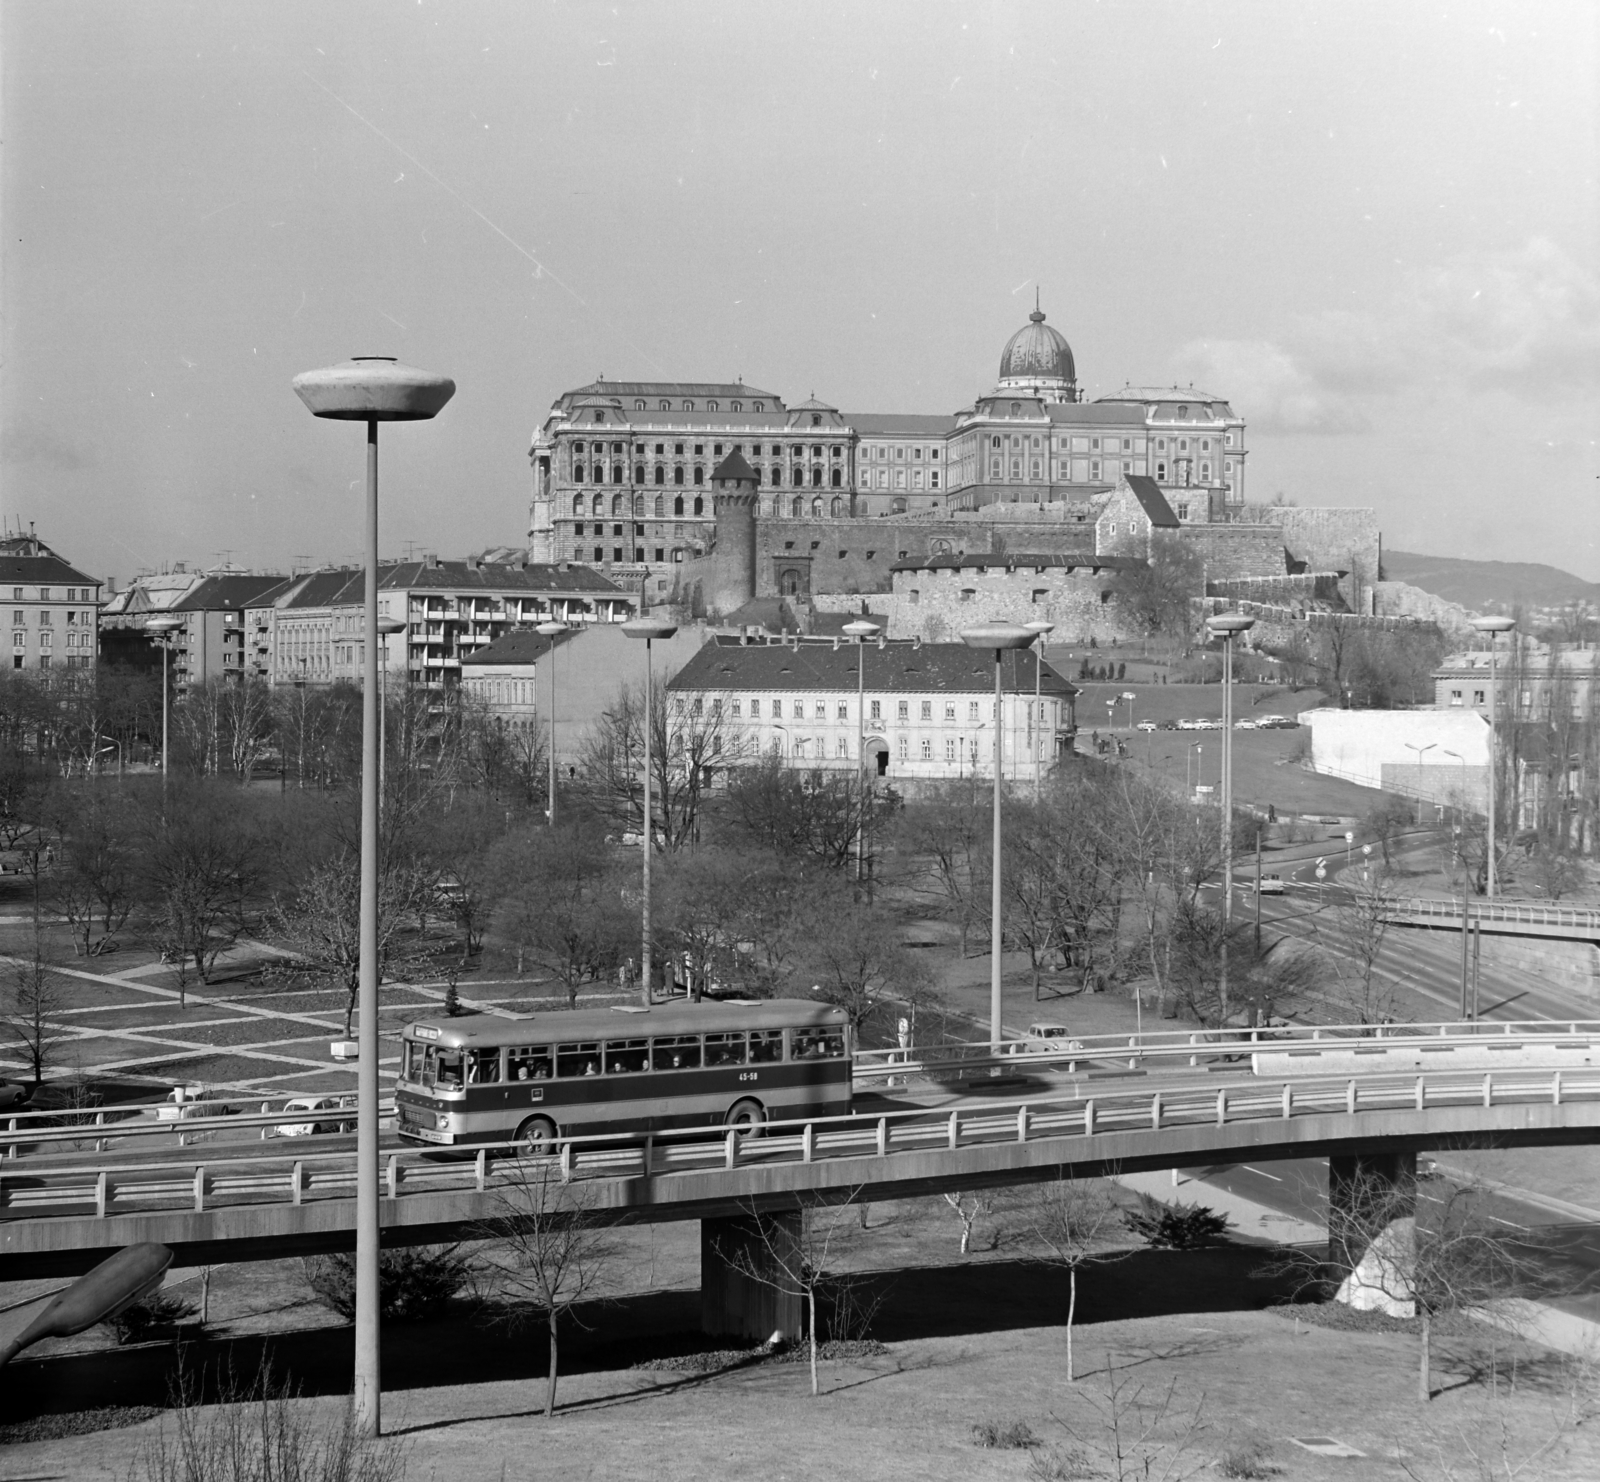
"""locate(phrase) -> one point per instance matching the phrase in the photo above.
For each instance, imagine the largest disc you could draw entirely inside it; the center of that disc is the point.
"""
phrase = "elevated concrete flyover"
(1499, 917)
(61, 1221)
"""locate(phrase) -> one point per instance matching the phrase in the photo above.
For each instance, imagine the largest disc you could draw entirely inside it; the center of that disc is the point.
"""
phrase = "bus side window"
(483, 1067)
(411, 1067)
(766, 1046)
(818, 1044)
(449, 1067)
(578, 1060)
(528, 1063)
(627, 1056)
(725, 1049)
(676, 1052)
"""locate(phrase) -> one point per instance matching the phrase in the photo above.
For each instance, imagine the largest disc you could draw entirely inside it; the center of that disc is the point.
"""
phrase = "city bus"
(627, 1069)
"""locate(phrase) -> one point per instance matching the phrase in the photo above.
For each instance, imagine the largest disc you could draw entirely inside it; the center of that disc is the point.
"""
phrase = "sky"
(1372, 227)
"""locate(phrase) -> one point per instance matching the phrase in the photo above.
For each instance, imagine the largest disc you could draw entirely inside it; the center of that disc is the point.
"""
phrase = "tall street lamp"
(999, 637)
(1042, 628)
(386, 627)
(861, 631)
(552, 630)
(1493, 626)
(163, 628)
(370, 389)
(649, 629)
(1227, 626)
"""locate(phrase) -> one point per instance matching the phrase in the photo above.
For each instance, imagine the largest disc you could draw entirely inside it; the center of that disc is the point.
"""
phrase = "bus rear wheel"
(536, 1138)
(746, 1116)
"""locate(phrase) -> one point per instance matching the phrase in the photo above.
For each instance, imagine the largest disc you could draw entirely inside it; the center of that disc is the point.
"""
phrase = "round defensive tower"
(733, 503)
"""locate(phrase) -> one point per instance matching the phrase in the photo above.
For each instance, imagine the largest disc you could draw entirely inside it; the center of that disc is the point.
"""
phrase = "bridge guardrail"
(1512, 912)
(200, 1120)
(299, 1178)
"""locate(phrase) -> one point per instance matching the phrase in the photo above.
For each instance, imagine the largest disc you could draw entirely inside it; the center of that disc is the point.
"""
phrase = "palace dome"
(1037, 353)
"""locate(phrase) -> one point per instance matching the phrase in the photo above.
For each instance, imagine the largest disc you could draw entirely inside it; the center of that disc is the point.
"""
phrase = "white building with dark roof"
(929, 707)
(54, 606)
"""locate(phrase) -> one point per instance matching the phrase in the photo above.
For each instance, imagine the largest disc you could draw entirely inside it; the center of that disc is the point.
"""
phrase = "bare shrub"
(1004, 1435)
(261, 1432)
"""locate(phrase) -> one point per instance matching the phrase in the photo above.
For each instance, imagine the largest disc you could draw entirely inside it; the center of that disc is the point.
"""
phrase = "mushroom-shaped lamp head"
(374, 388)
(649, 627)
(997, 635)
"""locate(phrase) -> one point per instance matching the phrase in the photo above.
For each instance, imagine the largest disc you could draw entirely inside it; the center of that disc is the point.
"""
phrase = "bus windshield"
(433, 1065)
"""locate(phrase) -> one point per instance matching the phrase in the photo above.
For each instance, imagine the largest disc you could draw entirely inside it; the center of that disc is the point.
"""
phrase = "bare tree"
(246, 723)
(96, 885)
(32, 1015)
(1156, 595)
(690, 741)
(1355, 932)
(551, 1249)
(1134, 1433)
(814, 815)
(946, 830)
(969, 1206)
(799, 1266)
(567, 911)
(1457, 1261)
(321, 924)
(1076, 1222)
(854, 958)
(203, 859)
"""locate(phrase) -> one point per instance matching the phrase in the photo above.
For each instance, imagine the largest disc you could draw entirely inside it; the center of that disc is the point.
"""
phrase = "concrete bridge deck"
(62, 1220)
(1500, 918)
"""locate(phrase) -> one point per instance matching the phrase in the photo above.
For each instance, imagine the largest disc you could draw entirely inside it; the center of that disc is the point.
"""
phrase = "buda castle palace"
(622, 468)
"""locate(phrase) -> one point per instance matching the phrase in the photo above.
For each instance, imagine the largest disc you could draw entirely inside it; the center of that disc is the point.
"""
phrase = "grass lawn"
(967, 1341)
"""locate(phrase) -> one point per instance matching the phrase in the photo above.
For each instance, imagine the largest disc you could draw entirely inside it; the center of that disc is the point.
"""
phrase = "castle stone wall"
(936, 605)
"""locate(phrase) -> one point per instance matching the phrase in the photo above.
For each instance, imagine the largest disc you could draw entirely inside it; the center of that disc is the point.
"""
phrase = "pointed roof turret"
(734, 467)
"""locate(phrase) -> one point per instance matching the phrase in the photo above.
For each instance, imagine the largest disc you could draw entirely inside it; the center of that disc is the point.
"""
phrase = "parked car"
(1145, 725)
(1170, 725)
(1189, 725)
(1245, 725)
(12, 1096)
(320, 1105)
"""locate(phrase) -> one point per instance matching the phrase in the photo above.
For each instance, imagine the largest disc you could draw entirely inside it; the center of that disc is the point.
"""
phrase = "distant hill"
(1475, 584)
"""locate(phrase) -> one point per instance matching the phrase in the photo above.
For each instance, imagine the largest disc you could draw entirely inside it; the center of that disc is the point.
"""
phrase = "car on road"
(13, 1097)
(1189, 725)
(1046, 1037)
(319, 1107)
(1245, 725)
(1271, 885)
(1145, 725)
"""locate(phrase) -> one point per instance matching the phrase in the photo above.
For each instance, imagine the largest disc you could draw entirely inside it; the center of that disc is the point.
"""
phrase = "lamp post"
(999, 637)
(1421, 752)
(1493, 626)
(386, 626)
(1462, 803)
(551, 630)
(648, 629)
(1227, 626)
(163, 628)
(861, 630)
(1042, 628)
(370, 389)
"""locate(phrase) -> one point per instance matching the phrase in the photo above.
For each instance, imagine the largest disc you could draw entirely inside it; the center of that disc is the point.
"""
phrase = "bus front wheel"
(746, 1116)
(536, 1138)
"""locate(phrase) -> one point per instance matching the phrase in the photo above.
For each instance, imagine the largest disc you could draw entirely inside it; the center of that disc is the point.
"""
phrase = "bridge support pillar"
(1372, 1243)
(744, 1288)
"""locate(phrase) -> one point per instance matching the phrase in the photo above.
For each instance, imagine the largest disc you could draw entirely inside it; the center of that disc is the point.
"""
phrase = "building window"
(949, 709)
(972, 710)
(699, 505)
(875, 709)
(902, 748)
(736, 705)
(950, 748)
(1455, 697)
(927, 749)
(927, 709)
(968, 593)
(903, 710)
(755, 710)
(699, 476)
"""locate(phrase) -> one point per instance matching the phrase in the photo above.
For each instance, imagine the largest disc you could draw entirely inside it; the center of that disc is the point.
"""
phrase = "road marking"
(1251, 1168)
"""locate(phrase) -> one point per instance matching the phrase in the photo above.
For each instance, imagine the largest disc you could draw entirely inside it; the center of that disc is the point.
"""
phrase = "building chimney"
(474, 563)
(883, 642)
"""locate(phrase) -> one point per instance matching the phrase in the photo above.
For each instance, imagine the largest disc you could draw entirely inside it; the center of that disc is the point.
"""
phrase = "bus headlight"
(442, 1121)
